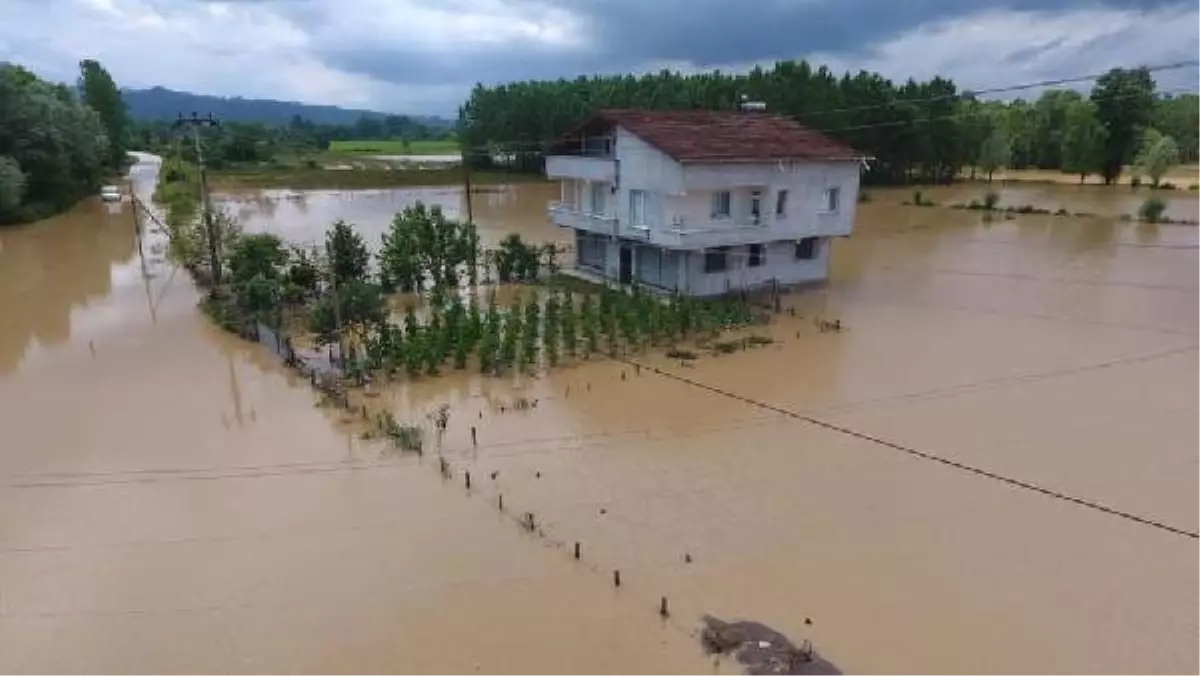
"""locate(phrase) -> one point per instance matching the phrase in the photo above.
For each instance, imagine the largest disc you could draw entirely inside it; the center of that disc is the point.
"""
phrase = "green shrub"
(726, 346)
(1152, 209)
(678, 353)
(990, 200)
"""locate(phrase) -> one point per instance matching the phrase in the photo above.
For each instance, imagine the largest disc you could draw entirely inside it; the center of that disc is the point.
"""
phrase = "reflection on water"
(173, 489)
(55, 274)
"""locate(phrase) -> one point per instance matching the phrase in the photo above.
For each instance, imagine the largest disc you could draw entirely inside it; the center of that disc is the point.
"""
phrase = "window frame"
(717, 196)
(755, 255)
(710, 265)
(832, 198)
(601, 190)
(637, 217)
(781, 199)
(807, 248)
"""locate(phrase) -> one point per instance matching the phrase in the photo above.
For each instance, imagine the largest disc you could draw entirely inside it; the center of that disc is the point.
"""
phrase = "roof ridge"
(722, 135)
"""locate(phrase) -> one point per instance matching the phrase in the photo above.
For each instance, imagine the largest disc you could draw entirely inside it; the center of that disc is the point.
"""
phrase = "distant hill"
(160, 103)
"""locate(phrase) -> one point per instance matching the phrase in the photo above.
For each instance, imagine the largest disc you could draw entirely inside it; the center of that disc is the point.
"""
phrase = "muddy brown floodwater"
(172, 500)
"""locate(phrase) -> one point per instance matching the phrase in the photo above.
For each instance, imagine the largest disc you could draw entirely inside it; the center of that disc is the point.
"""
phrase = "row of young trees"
(916, 131)
(56, 143)
(539, 331)
(342, 302)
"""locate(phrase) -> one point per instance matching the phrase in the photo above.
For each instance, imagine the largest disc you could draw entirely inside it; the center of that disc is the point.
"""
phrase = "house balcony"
(599, 167)
(694, 236)
(567, 215)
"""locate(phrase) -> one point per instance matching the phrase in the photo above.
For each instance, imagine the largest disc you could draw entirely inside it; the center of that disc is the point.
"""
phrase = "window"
(649, 265)
(806, 249)
(716, 260)
(591, 251)
(599, 193)
(756, 256)
(755, 206)
(832, 197)
(781, 203)
(637, 207)
(721, 204)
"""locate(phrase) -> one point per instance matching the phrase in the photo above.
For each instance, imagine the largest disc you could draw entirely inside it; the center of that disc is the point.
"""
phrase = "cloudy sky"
(422, 56)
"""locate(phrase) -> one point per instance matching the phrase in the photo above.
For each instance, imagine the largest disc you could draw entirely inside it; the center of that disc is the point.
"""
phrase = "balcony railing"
(581, 167)
(569, 215)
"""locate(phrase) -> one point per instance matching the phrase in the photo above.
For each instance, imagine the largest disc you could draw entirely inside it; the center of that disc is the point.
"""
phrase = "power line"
(961, 113)
(1004, 89)
(195, 122)
(538, 147)
(925, 455)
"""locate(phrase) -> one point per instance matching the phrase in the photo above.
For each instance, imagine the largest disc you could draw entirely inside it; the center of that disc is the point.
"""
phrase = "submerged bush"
(1152, 209)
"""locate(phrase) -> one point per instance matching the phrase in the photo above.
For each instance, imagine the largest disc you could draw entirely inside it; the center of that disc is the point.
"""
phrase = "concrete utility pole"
(195, 122)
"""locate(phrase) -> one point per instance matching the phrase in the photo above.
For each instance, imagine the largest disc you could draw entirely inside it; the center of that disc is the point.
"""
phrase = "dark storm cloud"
(1034, 51)
(720, 31)
(625, 35)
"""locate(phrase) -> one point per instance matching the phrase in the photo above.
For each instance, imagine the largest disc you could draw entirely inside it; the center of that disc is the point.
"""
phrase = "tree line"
(241, 143)
(57, 144)
(160, 103)
(916, 131)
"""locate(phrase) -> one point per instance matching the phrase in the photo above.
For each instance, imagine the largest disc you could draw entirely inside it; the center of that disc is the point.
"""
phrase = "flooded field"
(302, 217)
(173, 501)
(1092, 199)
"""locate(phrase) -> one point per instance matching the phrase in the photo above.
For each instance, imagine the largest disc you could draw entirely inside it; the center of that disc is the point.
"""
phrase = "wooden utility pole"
(466, 170)
(137, 222)
(337, 317)
(195, 122)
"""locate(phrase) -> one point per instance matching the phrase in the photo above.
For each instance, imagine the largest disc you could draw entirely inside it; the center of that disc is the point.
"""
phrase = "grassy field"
(394, 147)
(302, 178)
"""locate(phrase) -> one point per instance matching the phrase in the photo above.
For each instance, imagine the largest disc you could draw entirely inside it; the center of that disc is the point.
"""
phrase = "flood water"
(172, 500)
(302, 217)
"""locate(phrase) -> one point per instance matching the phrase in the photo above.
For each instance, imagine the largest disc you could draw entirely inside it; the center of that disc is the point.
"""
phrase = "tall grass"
(395, 147)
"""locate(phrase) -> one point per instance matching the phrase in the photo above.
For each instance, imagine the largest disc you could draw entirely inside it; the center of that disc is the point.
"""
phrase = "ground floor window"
(657, 267)
(756, 256)
(806, 249)
(716, 260)
(591, 251)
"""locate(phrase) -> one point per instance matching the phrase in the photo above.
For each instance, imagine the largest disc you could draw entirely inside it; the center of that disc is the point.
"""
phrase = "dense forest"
(916, 131)
(57, 143)
(162, 104)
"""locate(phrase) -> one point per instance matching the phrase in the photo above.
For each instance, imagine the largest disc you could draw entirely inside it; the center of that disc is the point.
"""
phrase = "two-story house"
(703, 202)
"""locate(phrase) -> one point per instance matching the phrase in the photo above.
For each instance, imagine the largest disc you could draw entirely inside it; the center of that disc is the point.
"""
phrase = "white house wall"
(779, 263)
(644, 167)
(806, 184)
(641, 166)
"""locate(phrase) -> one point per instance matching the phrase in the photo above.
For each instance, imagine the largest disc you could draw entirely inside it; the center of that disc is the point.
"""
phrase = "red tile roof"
(720, 136)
